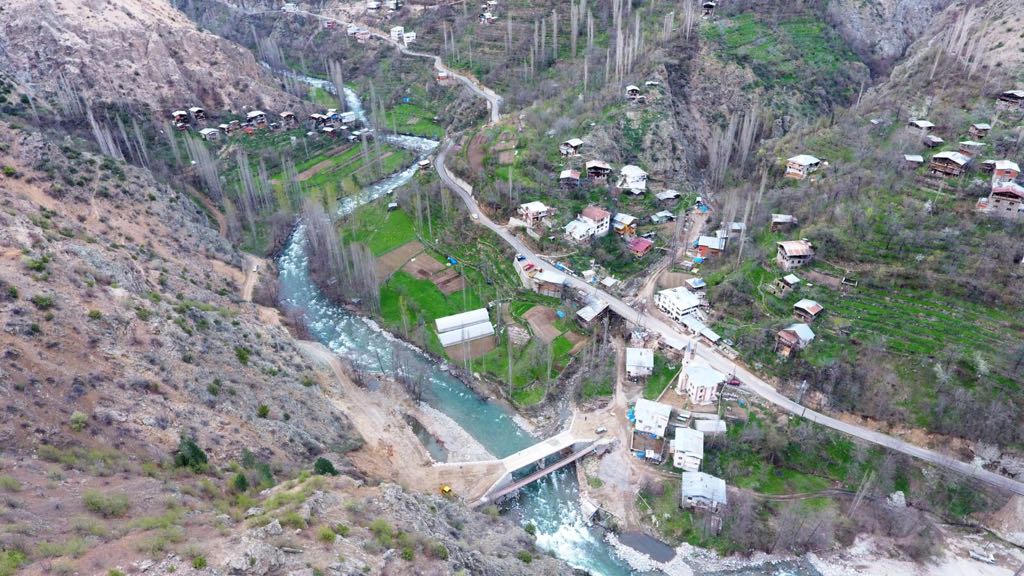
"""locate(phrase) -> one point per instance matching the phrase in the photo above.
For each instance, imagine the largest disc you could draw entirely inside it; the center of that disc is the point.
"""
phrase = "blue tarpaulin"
(560, 314)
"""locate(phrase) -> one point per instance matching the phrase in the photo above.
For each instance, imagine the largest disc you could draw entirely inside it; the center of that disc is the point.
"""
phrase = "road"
(474, 85)
(750, 381)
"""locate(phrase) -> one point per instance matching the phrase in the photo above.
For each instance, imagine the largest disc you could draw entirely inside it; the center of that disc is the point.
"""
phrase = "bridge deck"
(540, 473)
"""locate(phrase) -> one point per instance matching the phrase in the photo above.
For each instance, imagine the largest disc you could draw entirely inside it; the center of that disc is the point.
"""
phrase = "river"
(551, 504)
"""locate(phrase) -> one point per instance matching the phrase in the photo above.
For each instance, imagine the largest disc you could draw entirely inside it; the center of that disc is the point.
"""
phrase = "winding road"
(718, 361)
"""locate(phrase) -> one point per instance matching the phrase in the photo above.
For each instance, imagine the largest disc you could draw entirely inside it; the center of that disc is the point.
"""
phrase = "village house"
(687, 449)
(801, 166)
(677, 302)
(949, 163)
(707, 9)
(651, 417)
(667, 195)
(569, 178)
(409, 38)
(782, 222)
(639, 246)
(580, 230)
(794, 253)
(591, 313)
(632, 179)
(257, 118)
(465, 328)
(712, 245)
(807, 310)
(329, 131)
(700, 382)
(372, 5)
(180, 116)
(786, 284)
(793, 338)
(971, 148)
(1004, 171)
(398, 33)
(632, 92)
(932, 141)
(662, 217)
(704, 491)
(318, 120)
(601, 219)
(639, 362)
(1011, 100)
(624, 224)
(979, 130)
(570, 147)
(1006, 200)
(598, 169)
(533, 212)
(197, 113)
(913, 160)
(210, 134)
(700, 329)
(549, 283)
(921, 125)
(288, 118)
(225, 128)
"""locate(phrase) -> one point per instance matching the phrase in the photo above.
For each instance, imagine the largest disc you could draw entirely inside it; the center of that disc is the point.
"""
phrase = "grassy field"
(348, 172)
(380, 230)
(415, 120)
(661, 378)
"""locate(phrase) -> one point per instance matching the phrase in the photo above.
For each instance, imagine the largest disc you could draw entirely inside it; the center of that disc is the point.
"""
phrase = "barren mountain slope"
(130, 50)
(118, 301)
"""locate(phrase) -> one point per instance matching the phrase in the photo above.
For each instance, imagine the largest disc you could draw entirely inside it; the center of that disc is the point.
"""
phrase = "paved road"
(723, 364)
(654, 324)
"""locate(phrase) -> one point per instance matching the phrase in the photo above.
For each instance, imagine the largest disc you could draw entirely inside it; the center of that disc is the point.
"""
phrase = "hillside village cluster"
(674, 426)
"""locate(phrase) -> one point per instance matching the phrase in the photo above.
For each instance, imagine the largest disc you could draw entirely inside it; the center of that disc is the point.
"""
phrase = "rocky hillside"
(129, 51)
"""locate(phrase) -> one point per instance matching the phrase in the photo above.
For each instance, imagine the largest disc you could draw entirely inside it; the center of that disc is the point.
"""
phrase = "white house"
(688, 449)
(257, 117)
(700, 382)
(601, 218)
(632, 179)
(580, 230)
(639, 362)
(211, 134)
(651, 417)
(702, 490)
(533, 212)
(398, 33)
(677, 302)
(409, 38)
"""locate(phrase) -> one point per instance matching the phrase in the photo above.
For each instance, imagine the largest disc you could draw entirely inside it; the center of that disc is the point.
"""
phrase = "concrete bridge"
(487, 481)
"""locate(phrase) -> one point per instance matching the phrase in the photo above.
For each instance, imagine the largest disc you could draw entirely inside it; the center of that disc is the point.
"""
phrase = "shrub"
(308, 382)
(408, 554)
(190, 455)
(9, 483)
(382, 531)
(214, 388)
(114, 572)
(242, 353)
(199, 562)
(263, 411)
(293, 520)
(10, 561)
(108, 506)
(324, 467)
(10, 171)
(42, 302)
(341, 530)
(12, 292)
(439, 551)
(524, 556)
(143, 313)
(78, 421)
(530, 528)
(95, 314)
(326, 534)
(240, 483)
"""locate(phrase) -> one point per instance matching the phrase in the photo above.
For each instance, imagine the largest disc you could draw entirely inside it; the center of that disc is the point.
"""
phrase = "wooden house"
(570, 147)
(569, 178)
(707, 8)
(801, 166)
(640, 246)
(257, 118)
(782, 222)
(1011, 100)
(913, 160)
(971, 148)
(794, 253)
(210, 134)
(807, 310)
(979, 130)
(1007, 201)
(288, 118)
(1004, 171)
(921, 125)
(949, 163)
(180, 117)
(197, 113)
(793, 339)
(786, 284)
(624, 224)
(598, 169)
(632, 92)
(932, 141)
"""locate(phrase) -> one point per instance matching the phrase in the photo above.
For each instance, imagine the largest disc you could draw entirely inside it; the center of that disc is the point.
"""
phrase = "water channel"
(551, 504)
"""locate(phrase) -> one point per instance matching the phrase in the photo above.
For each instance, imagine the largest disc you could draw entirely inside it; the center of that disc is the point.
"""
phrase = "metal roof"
(462, 320)
(466, 334)
(639, 358)
(809, 306)
(955, 157)
(796, 247)
(704, 486)
(804, 160)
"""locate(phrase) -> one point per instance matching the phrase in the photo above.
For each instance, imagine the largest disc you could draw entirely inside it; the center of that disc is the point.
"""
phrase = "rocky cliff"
(142, 51)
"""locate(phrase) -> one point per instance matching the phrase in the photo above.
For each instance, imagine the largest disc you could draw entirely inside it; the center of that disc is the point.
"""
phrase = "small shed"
(569, 178)
(570, 147)
(1011, 100)
(793, 338)
(913, 160)
(787, 284)
(971, 148)
(598, 169)
(801, 166)
(210, 134)
(782, 222)
(921, 125)
(932, 141)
